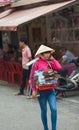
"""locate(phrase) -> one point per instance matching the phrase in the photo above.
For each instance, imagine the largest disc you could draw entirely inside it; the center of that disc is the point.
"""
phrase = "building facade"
(58, 29)
(63, 28)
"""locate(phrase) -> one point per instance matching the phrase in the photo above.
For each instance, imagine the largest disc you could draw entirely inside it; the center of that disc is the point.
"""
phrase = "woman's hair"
(46, 52)
(23, 39)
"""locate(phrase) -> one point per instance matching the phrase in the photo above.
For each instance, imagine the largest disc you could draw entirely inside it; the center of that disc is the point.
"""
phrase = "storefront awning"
(26, 2)
(4, 2)
(5, 13)
(13, 20)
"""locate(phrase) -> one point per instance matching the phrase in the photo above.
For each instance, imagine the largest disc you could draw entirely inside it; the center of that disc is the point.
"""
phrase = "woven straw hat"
(42, 49)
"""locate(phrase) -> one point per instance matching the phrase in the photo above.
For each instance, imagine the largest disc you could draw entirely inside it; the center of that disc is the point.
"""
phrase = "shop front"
(41, 25)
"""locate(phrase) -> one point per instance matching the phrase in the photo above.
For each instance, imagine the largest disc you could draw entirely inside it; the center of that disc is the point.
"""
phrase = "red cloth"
(69, 68)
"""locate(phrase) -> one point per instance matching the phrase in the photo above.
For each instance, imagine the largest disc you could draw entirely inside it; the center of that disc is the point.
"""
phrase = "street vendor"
(46, 61)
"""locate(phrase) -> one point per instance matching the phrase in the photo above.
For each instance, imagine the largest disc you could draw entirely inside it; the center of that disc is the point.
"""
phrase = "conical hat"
(42, 49)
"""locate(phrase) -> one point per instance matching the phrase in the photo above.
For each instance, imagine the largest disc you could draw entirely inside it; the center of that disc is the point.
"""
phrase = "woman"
(44, 54)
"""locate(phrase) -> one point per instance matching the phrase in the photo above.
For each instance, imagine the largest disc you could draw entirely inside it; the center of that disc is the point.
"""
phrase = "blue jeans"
(48, 95)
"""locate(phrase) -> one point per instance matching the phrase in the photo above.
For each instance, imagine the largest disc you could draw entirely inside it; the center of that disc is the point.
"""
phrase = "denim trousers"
(50, 97)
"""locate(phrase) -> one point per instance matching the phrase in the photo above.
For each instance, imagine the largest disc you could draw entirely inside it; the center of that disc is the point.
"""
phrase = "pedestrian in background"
(67, 56)
(26, 57)
(44, 54)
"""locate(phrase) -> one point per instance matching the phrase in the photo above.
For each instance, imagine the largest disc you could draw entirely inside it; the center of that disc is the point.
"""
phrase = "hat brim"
(43, 49)
(38, 55)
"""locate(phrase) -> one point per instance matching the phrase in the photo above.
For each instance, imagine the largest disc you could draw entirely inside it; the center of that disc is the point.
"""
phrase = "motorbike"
(68, 83)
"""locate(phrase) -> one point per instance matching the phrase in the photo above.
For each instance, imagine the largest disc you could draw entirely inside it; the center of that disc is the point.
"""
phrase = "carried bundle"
(46, 79)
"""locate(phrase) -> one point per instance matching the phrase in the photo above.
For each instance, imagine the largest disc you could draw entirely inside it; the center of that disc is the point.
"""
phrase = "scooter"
(68, 83)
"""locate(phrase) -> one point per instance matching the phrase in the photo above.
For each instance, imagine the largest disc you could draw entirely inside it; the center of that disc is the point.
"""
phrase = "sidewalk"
(19, 113)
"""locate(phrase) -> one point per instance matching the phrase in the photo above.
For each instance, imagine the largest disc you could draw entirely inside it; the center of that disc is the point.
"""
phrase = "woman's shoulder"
(39, 63)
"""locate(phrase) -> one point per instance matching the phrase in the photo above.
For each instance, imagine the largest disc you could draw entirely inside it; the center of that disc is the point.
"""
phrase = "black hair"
(23, 39)
(63, 49)
(46, 52)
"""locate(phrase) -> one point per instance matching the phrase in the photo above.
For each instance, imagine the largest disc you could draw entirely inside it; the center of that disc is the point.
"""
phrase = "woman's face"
(46, 55)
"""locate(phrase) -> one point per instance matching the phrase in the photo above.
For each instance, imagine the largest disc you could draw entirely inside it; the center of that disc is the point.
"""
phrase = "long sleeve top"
(42, 64)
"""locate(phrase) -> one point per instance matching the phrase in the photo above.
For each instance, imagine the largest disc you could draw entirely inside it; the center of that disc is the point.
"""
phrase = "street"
(20, 113)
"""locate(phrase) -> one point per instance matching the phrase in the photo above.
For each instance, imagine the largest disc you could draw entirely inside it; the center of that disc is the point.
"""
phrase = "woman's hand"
(51, 57)
(34, 95)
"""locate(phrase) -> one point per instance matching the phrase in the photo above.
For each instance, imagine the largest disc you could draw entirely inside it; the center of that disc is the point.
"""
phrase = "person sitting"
(12, 57)
(67, 56)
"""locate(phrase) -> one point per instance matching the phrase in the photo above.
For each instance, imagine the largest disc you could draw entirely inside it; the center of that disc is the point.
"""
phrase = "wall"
(63, 29)
(37, 33)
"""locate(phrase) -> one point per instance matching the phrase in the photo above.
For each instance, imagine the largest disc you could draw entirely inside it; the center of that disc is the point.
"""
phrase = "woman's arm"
(55, 64)
(32, 81)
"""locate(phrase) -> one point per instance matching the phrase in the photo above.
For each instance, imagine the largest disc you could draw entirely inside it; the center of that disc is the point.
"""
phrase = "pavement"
(20, 113)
